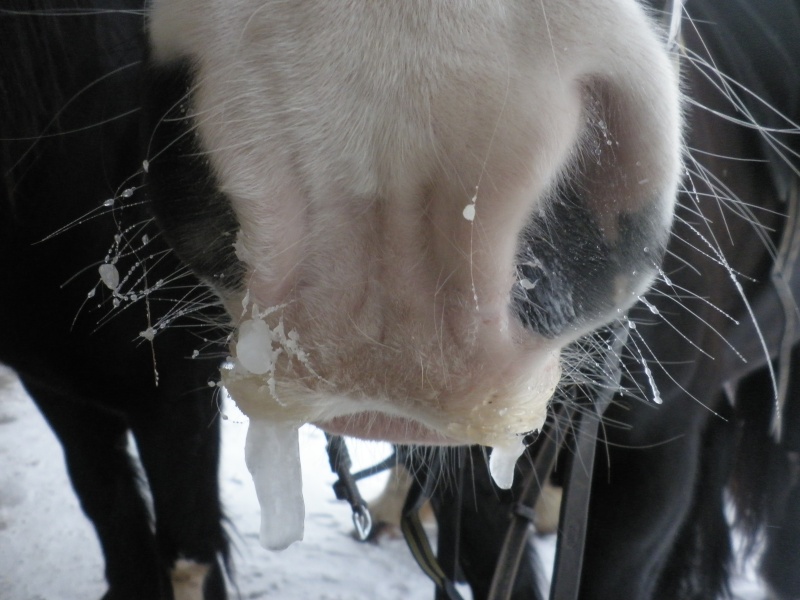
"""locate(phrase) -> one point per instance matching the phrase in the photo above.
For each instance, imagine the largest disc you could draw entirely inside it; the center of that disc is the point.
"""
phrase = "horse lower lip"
(377, 426)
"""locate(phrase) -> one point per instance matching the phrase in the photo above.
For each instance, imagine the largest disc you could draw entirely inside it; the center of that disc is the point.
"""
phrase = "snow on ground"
(48, 550)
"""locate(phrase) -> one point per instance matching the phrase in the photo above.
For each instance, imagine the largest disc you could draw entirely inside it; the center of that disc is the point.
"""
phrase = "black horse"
(710, 349)
(68, 144)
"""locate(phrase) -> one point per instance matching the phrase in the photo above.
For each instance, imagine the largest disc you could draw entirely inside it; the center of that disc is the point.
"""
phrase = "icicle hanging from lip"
(272, 448)
(503, 460)
(272, 454)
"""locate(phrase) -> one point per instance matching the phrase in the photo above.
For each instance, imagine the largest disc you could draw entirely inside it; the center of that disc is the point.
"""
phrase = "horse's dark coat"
(73, 81)
(658, 526)
(192, 212)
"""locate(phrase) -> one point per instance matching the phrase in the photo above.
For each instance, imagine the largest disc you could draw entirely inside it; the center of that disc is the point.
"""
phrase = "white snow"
(48, 550)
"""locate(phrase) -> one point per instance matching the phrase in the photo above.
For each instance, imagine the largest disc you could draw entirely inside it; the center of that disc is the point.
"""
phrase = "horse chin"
(490, 413)
(377, 426)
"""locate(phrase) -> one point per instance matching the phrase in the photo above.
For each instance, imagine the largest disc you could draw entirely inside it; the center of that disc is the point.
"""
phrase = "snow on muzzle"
(409, 210)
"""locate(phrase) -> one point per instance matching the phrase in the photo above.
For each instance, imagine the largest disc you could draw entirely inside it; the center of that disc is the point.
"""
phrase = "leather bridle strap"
(417, 540)
(583, 414)
(574, 517)
(523, 512)
(346, 487)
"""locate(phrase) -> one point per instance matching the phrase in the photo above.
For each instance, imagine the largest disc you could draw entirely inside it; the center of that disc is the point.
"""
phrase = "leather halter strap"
(583, 413)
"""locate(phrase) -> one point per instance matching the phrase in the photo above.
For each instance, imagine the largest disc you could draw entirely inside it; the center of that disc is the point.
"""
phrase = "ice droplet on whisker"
(109, 275)
(469, 212)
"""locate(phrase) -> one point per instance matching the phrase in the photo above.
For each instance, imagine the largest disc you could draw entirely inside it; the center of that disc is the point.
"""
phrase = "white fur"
(350, 137)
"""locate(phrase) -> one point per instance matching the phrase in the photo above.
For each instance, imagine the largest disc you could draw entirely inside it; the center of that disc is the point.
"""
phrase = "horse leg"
(178, 441)
(99, 466)
(767, 483)
(642, 491)
(700, 560)
(781, 563)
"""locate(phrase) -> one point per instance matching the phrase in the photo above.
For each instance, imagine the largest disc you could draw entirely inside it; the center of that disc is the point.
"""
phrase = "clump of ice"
(109, 275)
(258, 345)
(254, 347)
(469, 210)
(272, 455)
(503, 460)
(272, 450)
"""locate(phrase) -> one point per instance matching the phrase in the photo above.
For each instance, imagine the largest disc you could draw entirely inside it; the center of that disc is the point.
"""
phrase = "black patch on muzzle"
(195, 216)
(573, 276)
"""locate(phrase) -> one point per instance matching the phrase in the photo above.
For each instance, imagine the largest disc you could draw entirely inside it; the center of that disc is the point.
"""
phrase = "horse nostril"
(572, 281)
(599, 236)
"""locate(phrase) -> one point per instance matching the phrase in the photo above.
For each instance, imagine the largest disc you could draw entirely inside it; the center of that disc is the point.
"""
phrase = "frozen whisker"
(636, 336)
(65, 105)
(729, 88)
(63, 132)
(195, 302)
(707, 324)
(72, 12)
(719, 258)
(104, 209)
(724, 196)
(737, 159)
(688, 294)
(714, 255)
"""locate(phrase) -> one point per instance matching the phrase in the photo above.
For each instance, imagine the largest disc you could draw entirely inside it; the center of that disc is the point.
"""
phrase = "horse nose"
(400, 192)
(599, 261)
